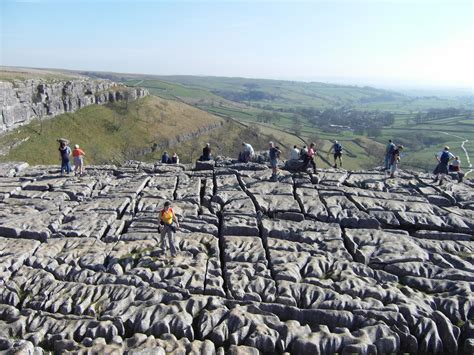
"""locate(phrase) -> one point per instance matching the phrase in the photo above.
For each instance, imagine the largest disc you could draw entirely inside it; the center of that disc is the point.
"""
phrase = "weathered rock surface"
(22, 101)
(344, 262)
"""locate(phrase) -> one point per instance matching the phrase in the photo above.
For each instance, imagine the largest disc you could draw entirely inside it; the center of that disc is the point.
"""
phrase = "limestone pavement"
(339, 262)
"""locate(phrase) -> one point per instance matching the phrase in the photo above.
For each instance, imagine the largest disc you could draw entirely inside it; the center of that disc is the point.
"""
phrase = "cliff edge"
(22, 101)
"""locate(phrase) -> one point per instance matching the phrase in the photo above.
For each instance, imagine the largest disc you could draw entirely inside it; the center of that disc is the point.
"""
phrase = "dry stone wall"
(339, 262)
(24, 101)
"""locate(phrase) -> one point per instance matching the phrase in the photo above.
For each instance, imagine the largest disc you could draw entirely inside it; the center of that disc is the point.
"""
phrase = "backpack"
(444, 157)
(338, 148)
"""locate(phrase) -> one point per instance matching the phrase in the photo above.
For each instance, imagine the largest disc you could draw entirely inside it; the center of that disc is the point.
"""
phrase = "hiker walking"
(308, 158)
(388, 154)
(64, 153)
(395, 160)
(78, 156)
(169, 225)
(337, 149)
(274, 154)
(441, 170)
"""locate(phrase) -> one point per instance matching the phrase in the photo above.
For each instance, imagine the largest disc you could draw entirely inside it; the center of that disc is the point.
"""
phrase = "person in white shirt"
(247, 152)
(455, 165)
(295, 153)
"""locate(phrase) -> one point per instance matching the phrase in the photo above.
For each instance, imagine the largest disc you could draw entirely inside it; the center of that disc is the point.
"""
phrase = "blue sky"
(391, 43)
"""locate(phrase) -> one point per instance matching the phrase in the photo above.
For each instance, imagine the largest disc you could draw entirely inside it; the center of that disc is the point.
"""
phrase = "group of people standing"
(447, 162)
(77, 154)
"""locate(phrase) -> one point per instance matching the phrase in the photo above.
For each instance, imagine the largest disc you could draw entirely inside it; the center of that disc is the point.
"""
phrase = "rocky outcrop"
(339, 262)
(24, 101)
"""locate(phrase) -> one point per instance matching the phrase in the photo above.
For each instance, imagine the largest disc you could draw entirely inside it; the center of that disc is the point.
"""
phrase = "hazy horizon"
(417, 44)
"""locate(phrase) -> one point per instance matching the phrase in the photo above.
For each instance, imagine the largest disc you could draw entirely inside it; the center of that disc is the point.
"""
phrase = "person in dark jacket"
(165, 158)
(206, 153)
(64, 153)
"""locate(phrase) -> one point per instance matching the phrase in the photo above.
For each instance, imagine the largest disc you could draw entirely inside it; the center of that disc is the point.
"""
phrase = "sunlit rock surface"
(339, 262)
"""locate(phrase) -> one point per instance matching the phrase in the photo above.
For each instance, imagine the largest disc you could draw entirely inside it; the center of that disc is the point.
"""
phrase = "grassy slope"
(109, 133)
(358, 149)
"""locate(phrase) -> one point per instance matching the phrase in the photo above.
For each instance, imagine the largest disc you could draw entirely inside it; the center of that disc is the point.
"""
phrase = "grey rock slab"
(239, 225)
(244, 206)
(312, 204)
(266, 188)
(13, 254)
(276, 203)
(244, 249)
(205, 165)
(329, 246)
(250, 281)
(224, 197)
(383, 247)
(305, 231)
(87, 224)
(371, 339)
(227, 182)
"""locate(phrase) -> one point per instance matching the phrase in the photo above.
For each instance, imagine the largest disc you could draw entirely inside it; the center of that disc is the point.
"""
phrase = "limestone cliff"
(338, 262)
(22, 101)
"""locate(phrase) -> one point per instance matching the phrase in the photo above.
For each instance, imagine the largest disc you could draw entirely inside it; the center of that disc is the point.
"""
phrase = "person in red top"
(308, 158)
(78, 155)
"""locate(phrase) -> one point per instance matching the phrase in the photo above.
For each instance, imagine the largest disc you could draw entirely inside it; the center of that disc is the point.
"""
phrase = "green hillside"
(256, 110)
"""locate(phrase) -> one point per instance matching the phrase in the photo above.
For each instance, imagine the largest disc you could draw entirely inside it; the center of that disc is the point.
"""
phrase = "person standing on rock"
(441, 170)
(274, 154)
(64, 153)
(308, 158)
(78, 156)
(395, 160)
(169, 224)
(389, 153)
(337, 149)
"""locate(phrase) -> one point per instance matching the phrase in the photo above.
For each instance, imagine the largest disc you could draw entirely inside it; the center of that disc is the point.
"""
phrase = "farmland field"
(274, 105)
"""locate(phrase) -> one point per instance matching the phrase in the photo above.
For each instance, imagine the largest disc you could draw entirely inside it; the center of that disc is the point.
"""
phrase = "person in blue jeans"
(274, 154)
(64, 152)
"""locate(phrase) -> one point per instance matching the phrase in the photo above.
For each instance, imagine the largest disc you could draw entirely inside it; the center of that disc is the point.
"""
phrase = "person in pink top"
(78, 155)
(308, 158)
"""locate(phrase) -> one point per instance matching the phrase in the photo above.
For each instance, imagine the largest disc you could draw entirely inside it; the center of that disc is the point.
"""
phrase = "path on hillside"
(469, 164)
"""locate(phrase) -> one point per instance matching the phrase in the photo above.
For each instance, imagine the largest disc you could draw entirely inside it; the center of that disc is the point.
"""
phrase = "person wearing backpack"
(389, 153)
(441, 170)
(337, 148)
(169, 225)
